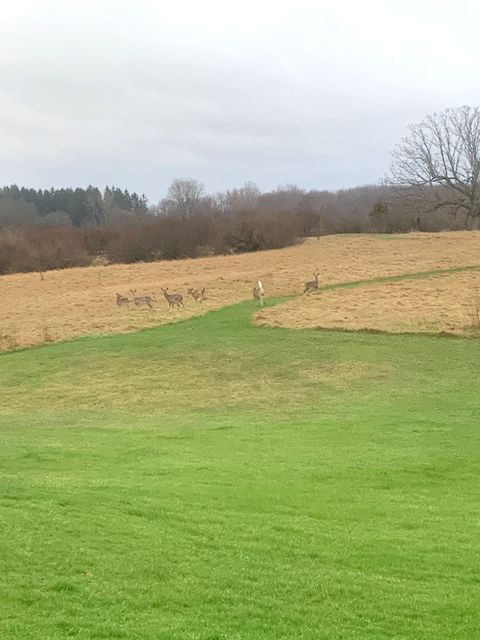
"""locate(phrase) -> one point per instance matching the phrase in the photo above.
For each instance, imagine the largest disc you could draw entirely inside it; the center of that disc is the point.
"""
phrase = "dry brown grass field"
(436, 304)
(75, 302)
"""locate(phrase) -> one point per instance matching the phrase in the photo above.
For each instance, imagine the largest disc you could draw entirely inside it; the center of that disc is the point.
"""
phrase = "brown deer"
(138, 301)
(173, 299)
(197, 294)
(122, 301)
(258, 292)
(313, 285)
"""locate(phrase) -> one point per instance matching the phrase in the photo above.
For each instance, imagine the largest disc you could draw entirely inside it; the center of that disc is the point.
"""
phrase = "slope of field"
(77, 302)
(211, 479)
(443, 303)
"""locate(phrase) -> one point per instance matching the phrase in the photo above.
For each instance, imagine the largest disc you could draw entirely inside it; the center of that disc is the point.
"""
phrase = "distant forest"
(21, 207)
(59, 228)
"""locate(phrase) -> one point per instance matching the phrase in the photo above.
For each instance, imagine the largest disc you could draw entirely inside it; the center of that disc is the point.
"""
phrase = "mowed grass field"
(77, 302)
(212, 479)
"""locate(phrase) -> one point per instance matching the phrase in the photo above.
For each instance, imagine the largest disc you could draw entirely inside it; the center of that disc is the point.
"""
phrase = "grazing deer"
(122, 301)
(197, 294)
(258, 292)
(313, 284)
(173, 299)
(142, 300)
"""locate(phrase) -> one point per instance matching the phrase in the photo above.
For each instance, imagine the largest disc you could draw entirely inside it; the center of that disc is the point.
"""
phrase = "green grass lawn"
(215, 480)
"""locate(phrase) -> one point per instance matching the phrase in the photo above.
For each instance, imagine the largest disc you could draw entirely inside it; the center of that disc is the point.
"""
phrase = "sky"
(311, 93)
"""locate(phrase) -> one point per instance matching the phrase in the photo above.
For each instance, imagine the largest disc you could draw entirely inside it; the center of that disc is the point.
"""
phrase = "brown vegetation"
(148, 239)
(447, 304)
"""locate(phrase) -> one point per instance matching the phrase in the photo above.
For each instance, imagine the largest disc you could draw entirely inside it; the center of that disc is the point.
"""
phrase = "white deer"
(258, 292)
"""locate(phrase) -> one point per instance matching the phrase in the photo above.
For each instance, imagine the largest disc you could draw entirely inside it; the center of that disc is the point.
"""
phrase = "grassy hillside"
(211, 479)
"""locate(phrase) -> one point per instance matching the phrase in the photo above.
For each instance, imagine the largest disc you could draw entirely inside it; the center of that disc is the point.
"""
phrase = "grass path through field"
(418, 275)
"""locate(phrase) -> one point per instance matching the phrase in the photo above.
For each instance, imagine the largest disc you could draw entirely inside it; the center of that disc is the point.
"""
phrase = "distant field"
(212, 480)
(79, 302)
(439, 303)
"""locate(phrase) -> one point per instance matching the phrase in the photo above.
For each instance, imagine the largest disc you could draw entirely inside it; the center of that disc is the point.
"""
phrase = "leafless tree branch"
(440, 158)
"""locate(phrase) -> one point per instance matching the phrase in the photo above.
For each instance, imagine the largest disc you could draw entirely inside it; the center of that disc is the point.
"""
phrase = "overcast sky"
(138, 93)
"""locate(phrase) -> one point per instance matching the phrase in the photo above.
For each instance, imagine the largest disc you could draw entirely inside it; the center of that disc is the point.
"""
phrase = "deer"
(313, 284)
(197, 294)
(142, 300)
(173, 299)
(122, 301)
(258, 292)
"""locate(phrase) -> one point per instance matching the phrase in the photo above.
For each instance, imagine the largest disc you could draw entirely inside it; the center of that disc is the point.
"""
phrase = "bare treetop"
(441, 155)
(185, 193)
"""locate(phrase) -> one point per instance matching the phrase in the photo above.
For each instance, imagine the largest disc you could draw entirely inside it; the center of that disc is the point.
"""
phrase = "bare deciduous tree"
(243, 199)
(440, 160)
(185, 194)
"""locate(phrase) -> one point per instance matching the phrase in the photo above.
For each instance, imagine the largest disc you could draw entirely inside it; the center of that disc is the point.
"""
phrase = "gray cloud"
(136, 94)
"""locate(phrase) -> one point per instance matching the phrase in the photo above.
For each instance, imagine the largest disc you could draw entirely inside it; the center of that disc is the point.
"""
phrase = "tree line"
(382, 208)
(117, 227)
(434, 184)
(24, 207)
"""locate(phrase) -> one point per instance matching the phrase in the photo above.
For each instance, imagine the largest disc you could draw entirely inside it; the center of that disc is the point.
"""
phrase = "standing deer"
(122, 301)
(197, 294)
(173, 299)
(142, 300)
(258, 292)
(313, 284)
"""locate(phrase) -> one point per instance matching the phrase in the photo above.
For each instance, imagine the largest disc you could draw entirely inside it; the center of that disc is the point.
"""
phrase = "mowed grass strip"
(78, 302)
(240, 482)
